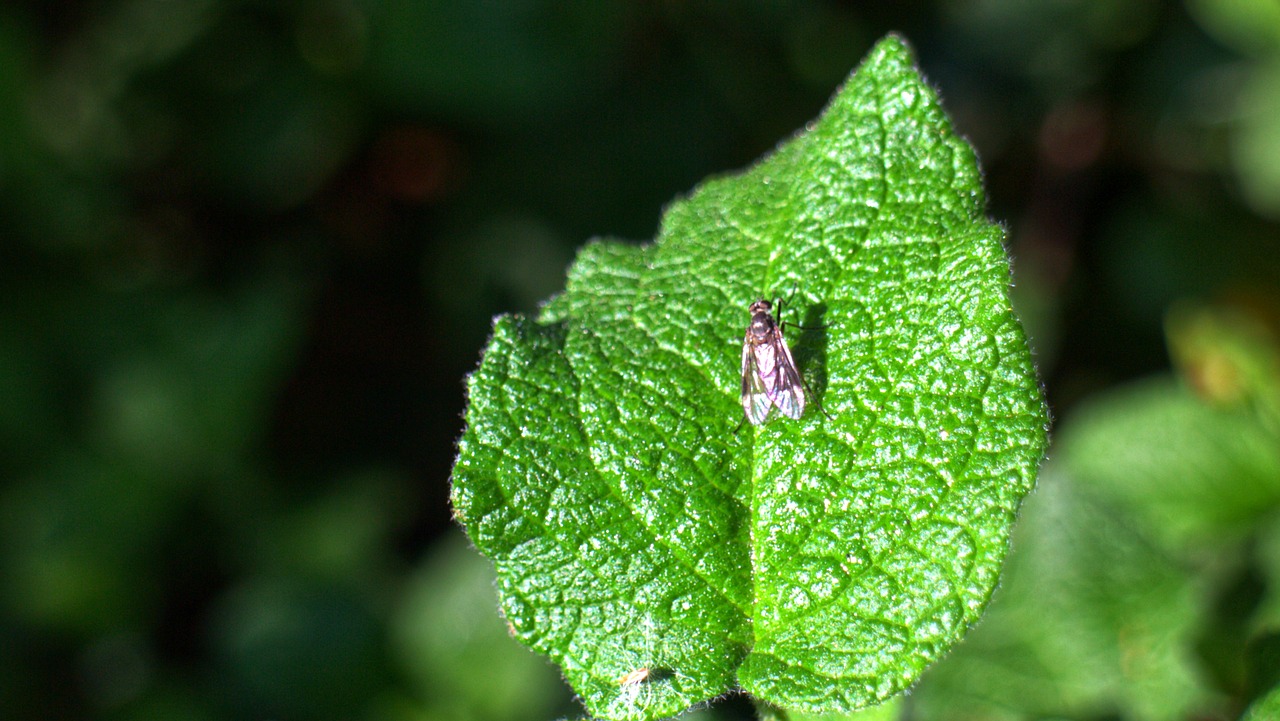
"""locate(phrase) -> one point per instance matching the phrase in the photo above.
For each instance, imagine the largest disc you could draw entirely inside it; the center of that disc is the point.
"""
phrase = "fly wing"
(788, 389)
(755, 398)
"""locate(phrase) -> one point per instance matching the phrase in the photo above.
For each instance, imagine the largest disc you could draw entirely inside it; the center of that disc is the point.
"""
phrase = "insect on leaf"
(819, 563)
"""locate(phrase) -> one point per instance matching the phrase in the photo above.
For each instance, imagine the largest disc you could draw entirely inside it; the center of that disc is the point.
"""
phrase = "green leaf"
(887, 711)
(453, 646)
(818, 564)
(1090, 621)
(1267, 618)
(1266, 708)
(1191, 473)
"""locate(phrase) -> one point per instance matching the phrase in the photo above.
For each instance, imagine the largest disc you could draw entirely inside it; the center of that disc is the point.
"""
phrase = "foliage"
(602, 473)
(250, 248)
(1136, 586)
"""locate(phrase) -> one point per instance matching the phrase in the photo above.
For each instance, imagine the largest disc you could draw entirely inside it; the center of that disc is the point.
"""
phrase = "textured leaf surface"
(819, 564)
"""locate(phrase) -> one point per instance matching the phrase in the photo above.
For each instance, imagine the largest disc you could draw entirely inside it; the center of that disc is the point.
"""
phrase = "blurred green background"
(251, 247)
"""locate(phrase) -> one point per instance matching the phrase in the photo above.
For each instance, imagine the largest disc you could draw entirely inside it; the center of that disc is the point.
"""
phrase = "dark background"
(250, 249)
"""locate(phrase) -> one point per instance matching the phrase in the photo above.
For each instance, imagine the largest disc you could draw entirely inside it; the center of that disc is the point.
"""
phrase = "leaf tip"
(892, 49)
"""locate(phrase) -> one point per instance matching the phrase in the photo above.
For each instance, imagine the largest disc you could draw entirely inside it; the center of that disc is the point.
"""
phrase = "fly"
(769, 375)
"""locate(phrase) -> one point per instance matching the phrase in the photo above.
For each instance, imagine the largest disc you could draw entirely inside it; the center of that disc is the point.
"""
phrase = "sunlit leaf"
(818, 564)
